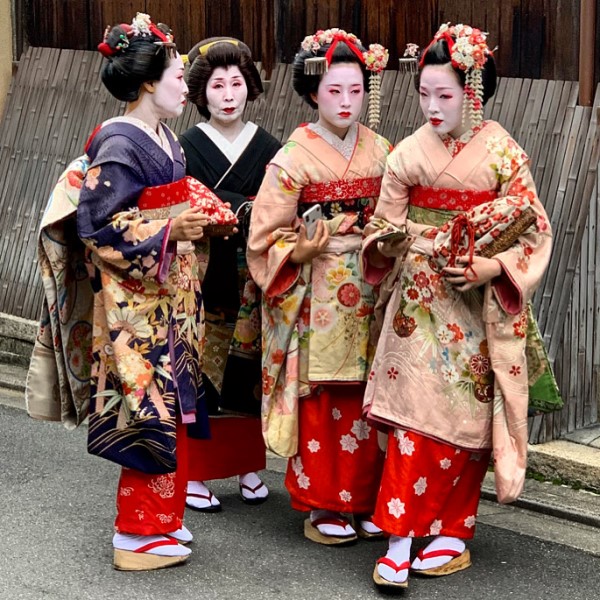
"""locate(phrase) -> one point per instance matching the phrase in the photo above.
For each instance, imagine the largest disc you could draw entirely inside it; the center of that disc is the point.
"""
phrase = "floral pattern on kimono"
(464, 352)
(147, 320)
(316, 316)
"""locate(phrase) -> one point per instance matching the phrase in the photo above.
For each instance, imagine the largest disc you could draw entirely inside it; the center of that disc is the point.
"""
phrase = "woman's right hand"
(306, 249)
(188, 226)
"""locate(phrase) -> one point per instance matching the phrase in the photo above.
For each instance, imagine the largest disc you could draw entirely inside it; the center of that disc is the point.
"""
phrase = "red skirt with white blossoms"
(339, 462)
(429, 487)
(236, 447)
(153, 504)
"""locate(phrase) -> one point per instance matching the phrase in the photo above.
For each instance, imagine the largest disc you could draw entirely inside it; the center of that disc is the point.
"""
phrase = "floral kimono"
(316, 316)
(450, 373)
(147, 308)
(231, 361)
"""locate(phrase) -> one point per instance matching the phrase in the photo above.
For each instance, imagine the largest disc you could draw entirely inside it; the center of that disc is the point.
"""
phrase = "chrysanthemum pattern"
(163, 485)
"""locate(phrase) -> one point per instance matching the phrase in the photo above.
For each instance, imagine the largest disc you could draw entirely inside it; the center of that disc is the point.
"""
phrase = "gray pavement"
(56, 521)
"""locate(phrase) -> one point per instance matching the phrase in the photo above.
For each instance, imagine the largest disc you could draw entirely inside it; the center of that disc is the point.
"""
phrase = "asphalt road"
(57, 508)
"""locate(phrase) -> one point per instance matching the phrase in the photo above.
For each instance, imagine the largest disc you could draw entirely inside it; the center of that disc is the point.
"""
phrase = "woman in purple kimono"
(147, 322)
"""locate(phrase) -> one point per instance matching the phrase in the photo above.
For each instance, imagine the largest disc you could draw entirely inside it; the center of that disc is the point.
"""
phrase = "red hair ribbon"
(449, 40)
(108, 51)
(341, 38)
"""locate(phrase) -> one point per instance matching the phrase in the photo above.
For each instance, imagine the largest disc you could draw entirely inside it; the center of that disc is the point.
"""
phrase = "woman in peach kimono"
(450, 375)
(317, 308)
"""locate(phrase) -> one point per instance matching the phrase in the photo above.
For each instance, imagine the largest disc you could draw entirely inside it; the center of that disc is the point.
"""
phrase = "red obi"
(336, 191)
(448, 199)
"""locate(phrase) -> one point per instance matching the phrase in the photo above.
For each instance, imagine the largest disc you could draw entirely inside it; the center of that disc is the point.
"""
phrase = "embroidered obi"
(356, 196)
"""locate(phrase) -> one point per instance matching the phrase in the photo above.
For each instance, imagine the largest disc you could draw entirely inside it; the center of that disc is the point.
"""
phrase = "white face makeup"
(340, 97)
(170, 92)
(226, 94)
(441, 98)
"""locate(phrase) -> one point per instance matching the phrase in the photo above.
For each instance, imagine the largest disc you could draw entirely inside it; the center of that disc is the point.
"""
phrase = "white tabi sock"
(207, 498)
(333, 529)
(368, 526)
(439, 543)
(257, 487)
(398, 552)
(183, 535)
(131, 542)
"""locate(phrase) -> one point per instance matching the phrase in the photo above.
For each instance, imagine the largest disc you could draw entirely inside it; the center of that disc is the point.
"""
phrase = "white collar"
(232, 150)
(344, 146)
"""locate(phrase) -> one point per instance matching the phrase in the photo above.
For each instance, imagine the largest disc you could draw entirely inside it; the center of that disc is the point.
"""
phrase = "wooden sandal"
(314, 535)
(208, 509)
(256, 500)
(388, 562)
(459, 562)
(141, 560)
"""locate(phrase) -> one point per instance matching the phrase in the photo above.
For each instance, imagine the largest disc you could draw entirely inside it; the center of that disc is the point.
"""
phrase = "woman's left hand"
(465, 278)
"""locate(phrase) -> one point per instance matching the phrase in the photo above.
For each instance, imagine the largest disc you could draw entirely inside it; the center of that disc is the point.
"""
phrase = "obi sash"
(344, 196)
(449, 199)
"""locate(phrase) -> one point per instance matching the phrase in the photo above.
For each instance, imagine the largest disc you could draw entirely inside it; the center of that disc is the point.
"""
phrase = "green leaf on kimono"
(115, 400)
(350, 265)
(163, 373)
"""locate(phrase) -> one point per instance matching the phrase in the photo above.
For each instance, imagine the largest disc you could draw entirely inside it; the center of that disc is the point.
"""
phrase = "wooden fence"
(56, 100)
(535, 38)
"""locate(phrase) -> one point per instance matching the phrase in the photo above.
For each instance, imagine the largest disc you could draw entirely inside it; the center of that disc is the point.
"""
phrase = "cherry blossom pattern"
(396, 507)
(348, 443)
(470, 521)
(420, 486)
(405, 444)
(445, 463)
(336, 414)
(436, 527)
(361, 429)
(314, 445)
(345, 496)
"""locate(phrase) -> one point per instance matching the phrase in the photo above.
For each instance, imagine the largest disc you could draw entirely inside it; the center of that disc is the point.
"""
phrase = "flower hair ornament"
(410, 60)
(142, 26)
(375, 60)
(468, 52)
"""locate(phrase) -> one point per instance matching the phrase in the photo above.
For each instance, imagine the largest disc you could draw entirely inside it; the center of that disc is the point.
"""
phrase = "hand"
(306, 249)
(188, 226)
(465, 278)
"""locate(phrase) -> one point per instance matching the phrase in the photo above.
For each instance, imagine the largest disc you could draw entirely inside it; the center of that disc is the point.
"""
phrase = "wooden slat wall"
(56, 100)
(535, 38)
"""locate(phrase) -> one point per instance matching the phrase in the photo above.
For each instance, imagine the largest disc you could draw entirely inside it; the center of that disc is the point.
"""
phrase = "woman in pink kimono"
(450, 372)
(317, 308)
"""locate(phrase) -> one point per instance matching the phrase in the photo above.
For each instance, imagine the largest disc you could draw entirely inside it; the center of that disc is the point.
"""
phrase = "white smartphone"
(310, 218)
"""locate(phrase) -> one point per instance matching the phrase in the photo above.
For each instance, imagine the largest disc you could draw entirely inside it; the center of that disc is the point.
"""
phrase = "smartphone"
(310, 218)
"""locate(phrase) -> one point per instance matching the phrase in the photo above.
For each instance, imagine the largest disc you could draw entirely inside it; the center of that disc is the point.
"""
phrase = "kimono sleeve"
(272, 238)
(391, 209)
(524, 263)
(111, 225)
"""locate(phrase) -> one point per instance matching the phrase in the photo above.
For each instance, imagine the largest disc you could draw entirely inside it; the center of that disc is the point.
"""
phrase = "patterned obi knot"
(448, 199)
(356, 196)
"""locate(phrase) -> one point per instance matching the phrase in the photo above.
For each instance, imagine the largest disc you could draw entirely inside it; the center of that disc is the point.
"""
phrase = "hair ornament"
(204, 49)
(374, 59)
(469, 52)
(409, 63)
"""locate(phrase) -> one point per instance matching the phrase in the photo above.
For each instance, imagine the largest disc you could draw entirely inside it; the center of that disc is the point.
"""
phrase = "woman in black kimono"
(229, 156)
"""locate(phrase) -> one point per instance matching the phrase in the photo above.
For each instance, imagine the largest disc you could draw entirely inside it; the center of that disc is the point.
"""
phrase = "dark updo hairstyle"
(305, 85)
(215, 52)
(438, 54)
(132, 64)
